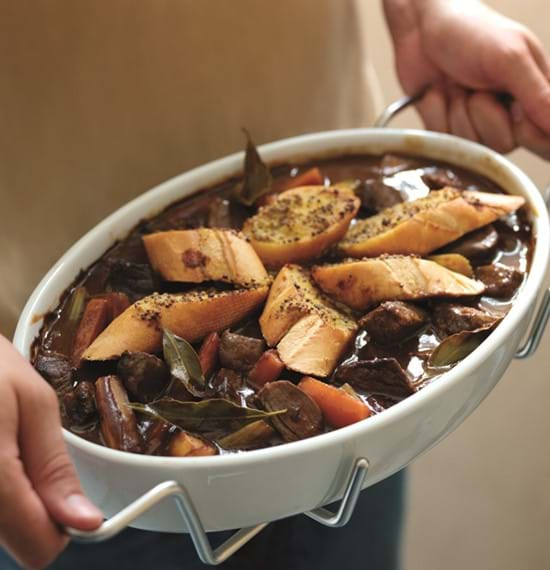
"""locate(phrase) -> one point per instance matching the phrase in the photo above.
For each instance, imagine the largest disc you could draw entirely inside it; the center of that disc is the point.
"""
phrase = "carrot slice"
(311, 177)
(267, 368)
(118, 303)
(339, 408)
(208, 353)
(184, 444)
(95, 318)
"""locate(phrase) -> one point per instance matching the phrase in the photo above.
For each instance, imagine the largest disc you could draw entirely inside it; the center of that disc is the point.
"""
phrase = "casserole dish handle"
(204, 549)
(537, 328)
(543, 314)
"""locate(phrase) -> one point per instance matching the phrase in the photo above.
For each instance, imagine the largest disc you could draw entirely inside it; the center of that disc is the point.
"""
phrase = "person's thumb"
(47, 462)
(526, 134)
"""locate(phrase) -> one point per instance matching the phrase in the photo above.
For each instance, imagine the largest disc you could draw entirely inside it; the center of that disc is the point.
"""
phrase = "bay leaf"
(209, 416)
(458, 346)
(257, 176)
(184, 363)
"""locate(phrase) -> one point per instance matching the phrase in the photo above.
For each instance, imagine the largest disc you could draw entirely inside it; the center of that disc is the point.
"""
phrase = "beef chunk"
(478, 246)
(239, 352)
(378, 377)
(143, 375)
(393, 321)
(500, 281)
(393, 163)
(79, 404)
(451, 318)
(52, 366)
(303, 417)
(438, 178)
(227, 383)
(219, 213)
(376, 196)
(137, 280)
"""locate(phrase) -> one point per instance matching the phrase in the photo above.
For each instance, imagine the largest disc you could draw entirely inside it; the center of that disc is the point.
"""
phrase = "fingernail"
(517, 112)
(82, 507)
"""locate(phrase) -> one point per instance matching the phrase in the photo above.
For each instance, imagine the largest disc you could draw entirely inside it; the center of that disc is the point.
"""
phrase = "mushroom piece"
(117, 420)
(240, 352)
(478, 246)
(303, 417)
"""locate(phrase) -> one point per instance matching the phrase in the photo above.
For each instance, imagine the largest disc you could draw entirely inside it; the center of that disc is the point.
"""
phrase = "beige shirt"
(102, 100)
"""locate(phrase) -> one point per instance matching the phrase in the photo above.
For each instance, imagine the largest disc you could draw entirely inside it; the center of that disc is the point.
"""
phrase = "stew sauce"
(398, 339)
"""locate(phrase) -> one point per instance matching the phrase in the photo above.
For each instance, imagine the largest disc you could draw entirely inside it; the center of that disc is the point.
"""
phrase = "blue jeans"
(371, 540)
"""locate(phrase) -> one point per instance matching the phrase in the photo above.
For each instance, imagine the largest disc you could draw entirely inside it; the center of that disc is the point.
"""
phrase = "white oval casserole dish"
(240, 490)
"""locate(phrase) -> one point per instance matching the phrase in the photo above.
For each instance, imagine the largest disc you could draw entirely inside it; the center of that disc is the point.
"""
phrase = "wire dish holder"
(176, 491)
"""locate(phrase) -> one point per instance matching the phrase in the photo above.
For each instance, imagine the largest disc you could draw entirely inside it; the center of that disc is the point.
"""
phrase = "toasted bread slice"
(205, 254)
(424, 225)
(308, 329)
(191, 315)
(362, 283)
(301, 223)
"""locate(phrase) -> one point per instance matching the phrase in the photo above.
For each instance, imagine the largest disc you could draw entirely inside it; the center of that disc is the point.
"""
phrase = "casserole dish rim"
(166, 193)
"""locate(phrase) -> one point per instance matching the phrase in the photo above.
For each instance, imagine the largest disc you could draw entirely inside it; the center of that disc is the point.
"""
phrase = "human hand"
(39, 489)
(471, 56)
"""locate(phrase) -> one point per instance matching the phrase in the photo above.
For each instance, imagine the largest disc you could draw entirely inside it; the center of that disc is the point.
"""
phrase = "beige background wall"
(481, 499)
